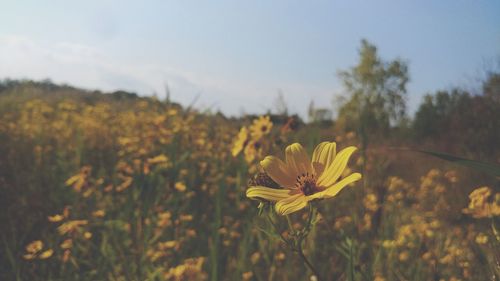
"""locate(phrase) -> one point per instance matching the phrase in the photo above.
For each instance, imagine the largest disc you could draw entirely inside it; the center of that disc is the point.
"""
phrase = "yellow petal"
(334, 189)
(291, 204)
(47, 254)
(29, 256)
(87, 235)
(297, 160)
(277, 170)
(55, 218)
(266, 193)
(34, 247)
(333, 172)
(323, 156)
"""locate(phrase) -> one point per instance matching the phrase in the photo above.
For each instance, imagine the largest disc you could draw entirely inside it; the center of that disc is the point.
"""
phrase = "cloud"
(86, 66)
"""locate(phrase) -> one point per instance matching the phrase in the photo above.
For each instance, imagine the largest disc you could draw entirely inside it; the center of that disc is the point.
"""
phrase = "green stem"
(297, 237)
(310, 216)
(302, 235)
(494, 229)
(292, 230)
(307, 262)
(276, 229)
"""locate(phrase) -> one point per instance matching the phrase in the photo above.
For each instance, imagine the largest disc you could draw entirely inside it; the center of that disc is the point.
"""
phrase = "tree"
(432, 117)
(462, 123)
(280, 104)
(375, 96)
(491, 87)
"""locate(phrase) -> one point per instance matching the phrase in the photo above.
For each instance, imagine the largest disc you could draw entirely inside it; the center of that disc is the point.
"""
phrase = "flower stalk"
(296, 238)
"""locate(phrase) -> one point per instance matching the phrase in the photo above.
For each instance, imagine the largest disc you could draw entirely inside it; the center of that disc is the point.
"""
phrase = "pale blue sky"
(238, 54)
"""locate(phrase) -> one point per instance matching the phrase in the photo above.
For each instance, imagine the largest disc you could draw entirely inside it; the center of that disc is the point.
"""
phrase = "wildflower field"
(114, 187)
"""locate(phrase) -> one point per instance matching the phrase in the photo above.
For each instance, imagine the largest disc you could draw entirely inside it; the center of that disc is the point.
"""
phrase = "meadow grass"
(141, 189)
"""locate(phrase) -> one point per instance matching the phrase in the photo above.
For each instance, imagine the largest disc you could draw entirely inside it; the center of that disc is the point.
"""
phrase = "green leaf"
(489, 168)
(342, 251)
(10, 256)
(271, 235)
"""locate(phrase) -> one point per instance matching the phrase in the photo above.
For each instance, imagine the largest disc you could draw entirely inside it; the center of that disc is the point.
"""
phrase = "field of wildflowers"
(104, 188)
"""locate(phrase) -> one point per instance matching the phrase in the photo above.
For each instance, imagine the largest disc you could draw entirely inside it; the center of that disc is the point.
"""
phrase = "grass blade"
(489, 168)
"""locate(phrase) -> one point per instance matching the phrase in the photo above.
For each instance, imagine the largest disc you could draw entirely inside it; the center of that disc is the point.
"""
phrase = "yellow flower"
(29, 256)
(370, 202)
(389, 244)
(192, 269)
(186, 217)
(241, 141)
(247, 275)
(483, 203)
(46, 254)
(87, 235)
(252, 150)
(70, 226)
(404, 256)
(481, 238)
(158, 159)
(125, 184)
(34, 247)
(478, 197)
(191, 233)
(169, 244)
(261, 127)
(302, 180)
(99, 213)
(164, 219)
(180, 186)
(79, 180)
(66, 244)
(55, 218)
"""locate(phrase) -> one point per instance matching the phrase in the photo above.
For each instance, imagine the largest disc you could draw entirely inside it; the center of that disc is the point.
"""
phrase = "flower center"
(307, 184)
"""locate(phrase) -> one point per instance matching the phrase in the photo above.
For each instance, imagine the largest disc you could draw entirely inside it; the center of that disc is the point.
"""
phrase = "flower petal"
(297, 160)
(333, 172)
(323, 156)
(334, 189)
(266, 193)
(291, 204)
(277, 170)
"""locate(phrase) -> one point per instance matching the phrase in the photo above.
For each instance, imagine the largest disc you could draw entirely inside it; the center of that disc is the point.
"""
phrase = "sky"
(236, 56)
